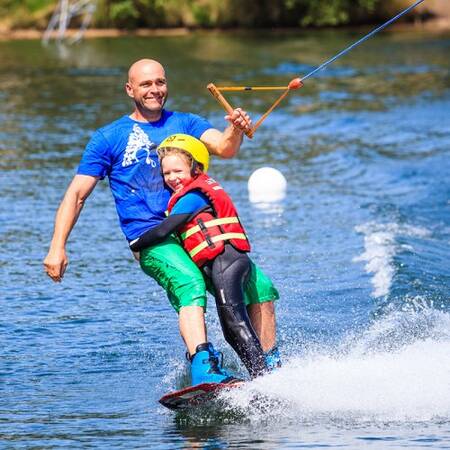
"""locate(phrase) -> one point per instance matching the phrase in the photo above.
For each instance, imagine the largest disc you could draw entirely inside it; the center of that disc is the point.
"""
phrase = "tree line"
(132, 14)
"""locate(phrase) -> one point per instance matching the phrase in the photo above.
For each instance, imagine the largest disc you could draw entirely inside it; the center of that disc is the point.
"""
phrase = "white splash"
(355, 386)
(380, 248)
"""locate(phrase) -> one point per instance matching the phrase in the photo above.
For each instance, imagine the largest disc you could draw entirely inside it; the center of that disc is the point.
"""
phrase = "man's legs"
(191, 320)
(262, 317)
(206, 364)
(183, 282)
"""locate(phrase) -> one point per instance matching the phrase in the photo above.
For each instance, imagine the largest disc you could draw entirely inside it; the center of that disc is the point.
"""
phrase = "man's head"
(147, 86)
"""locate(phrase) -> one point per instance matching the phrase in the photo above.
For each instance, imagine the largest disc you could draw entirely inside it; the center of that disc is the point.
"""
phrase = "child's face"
(176, 172)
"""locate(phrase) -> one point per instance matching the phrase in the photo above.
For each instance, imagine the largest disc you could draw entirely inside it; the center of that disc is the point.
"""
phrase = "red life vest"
(205, 235)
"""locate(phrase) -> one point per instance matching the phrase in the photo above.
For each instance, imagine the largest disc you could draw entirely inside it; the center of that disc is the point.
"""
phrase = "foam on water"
(380, 248)
(361, 382)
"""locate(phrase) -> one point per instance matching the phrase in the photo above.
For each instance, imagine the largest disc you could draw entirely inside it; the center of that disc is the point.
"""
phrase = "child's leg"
(228, 273)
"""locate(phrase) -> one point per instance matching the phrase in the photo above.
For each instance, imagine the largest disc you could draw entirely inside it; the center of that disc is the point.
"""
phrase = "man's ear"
(129, 89)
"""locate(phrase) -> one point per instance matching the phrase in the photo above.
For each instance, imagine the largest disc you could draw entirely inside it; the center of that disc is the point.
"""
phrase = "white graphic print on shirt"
(138, 140)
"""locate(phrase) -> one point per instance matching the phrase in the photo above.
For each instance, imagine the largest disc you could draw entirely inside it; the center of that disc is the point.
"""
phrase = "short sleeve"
(96, 159)
(198, 125)
(190, 203)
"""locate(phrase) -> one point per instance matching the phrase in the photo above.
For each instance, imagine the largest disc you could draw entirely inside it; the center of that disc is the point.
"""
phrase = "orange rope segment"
(296, 83)
(250, 88)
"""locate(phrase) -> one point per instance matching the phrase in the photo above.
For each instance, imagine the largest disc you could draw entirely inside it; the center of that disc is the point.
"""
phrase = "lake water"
(359, 249)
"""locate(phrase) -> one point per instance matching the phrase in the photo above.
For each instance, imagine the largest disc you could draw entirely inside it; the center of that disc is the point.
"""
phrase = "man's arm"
(69, 210)
(226, 144)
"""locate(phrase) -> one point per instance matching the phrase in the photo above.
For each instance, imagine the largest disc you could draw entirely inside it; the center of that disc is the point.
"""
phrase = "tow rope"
(295, 83)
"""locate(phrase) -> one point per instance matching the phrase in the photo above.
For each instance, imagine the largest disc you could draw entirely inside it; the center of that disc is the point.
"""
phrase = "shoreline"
(93, 33)
(438, 25)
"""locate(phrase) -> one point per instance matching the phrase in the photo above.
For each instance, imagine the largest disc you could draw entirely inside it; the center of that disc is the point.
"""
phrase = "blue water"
(358, 249)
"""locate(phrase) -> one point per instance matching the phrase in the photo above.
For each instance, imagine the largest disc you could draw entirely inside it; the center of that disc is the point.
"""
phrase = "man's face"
(147, 86)
(176, 172)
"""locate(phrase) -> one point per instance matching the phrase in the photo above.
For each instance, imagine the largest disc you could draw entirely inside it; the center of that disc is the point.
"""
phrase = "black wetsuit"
(228, 272)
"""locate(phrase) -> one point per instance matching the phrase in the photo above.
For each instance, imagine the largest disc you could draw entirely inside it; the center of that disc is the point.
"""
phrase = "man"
(125, 151)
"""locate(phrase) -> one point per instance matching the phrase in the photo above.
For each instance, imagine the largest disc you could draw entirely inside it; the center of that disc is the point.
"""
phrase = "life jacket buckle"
(204, 230)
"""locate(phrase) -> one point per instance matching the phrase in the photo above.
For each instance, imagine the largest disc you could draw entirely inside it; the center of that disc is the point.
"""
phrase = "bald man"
(125, 151)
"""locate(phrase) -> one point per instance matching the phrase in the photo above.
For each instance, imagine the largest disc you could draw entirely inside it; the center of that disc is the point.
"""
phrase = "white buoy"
(266, 185)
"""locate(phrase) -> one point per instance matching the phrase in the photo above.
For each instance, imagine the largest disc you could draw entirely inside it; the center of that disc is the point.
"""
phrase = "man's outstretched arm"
(56, 261)
(226, 144)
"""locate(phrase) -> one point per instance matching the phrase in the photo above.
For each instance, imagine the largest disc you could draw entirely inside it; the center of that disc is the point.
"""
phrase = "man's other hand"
(55, 264)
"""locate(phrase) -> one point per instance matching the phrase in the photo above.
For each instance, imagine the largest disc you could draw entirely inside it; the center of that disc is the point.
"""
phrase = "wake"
(381, 376)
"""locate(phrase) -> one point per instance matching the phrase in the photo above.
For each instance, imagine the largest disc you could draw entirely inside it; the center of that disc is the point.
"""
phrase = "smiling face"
(176, 170)
(147, 86)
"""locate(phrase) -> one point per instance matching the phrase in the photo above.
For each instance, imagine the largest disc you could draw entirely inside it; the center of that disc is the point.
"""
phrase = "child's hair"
(166, 151)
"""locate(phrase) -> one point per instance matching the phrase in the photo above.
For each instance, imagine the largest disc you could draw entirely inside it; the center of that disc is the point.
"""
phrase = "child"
(206, 221)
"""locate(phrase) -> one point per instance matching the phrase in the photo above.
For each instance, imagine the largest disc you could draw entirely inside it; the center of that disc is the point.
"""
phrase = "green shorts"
(176, 273)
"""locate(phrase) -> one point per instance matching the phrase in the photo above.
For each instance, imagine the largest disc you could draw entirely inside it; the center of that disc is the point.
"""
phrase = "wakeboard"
(193, 396)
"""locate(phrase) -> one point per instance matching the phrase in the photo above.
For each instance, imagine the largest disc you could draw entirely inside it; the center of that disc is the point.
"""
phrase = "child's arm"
(184, 210)
(160, 232)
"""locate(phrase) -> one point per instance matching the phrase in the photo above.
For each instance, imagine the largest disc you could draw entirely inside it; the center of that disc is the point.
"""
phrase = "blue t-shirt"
(125, 151)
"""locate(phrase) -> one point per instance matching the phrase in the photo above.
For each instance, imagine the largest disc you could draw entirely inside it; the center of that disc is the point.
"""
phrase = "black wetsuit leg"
(228, 273)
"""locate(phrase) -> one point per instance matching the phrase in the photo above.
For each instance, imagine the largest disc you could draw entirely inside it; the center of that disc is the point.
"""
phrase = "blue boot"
(206, 366)
(273, 359)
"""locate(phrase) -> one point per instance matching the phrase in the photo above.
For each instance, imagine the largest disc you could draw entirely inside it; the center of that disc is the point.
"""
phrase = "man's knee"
(266, 308)
(189, 294)
(259, 289)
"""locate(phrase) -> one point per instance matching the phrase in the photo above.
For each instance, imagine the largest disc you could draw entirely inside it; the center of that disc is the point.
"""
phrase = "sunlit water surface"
(359, 249)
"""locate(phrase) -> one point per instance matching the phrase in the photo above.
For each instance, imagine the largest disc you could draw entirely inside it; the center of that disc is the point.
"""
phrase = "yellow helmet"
(196, 148)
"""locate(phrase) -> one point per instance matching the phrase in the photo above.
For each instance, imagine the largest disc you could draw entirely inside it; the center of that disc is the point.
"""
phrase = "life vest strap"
(208, 224)
(220, 237)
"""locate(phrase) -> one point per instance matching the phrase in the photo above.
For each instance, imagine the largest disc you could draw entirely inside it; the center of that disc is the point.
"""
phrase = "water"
(359, 249)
